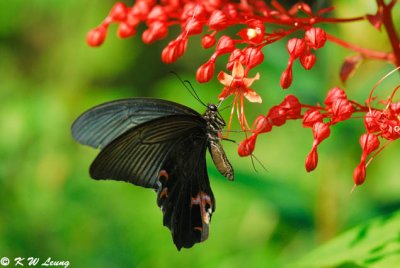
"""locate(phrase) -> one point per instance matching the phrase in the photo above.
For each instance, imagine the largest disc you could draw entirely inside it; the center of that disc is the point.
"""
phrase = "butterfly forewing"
(100, 125)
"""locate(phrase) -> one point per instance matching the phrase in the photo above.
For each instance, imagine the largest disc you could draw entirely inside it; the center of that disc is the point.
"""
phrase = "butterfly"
(159, 144)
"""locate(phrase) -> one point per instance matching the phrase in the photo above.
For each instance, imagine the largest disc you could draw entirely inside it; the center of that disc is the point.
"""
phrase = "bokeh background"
(49, 207)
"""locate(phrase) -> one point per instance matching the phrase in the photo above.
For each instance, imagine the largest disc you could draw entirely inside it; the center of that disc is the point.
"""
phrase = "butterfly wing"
(100, 125)
(185, 196)
(137, 155)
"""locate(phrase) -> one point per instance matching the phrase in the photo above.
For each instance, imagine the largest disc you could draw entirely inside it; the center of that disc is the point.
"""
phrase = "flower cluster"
(314, 38)
(256, 24)
(337, 107)
(212, 17)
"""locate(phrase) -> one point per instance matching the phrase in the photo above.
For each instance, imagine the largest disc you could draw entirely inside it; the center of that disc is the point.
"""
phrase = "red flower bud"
(321, 131)
(286, 78)
(96, 36)
(369, 143)
(205, 72)
(140, 10)
(308, 60)
(236, 55)
(372, 120)
(276, 116)
(292, 106)
(333, 95)
(230, 11)
(192, 10)
(315, 38)
(156, 13)
(218, 20)
(390, 129)
(174, 50)
(157, 30)
(341, 110)
(246, 147)
(225, 45)
(261, 125)
(359, 174)
(208, 40)
(125, 30)
(192, 27)
(252, 56)
(118, 12)
(312, 160)
(311, 117)
(296, 47)
(395, 107)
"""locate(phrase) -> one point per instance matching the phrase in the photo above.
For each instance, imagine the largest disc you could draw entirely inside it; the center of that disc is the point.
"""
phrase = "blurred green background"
(49, 207)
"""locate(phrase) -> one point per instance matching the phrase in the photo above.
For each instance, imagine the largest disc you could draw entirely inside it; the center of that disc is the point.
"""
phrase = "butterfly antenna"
(193, 92)
(189, 88)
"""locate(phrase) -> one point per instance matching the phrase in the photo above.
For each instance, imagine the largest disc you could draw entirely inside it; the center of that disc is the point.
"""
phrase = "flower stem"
(368, 53)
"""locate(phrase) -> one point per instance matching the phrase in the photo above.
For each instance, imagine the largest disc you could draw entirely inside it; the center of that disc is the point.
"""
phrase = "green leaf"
(372, 244)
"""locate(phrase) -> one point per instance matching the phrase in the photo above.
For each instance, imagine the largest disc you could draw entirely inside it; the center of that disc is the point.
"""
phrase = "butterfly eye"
(213, 107)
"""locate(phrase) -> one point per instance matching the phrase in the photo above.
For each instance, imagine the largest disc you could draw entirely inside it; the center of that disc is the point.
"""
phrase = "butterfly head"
(214, 120)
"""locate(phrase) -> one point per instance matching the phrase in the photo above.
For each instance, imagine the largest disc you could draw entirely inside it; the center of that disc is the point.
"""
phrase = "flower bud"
(261, 125)
(246, 147)
(286, 78)
(321, 131)
(315, 38)
(308, 60)
(252, 56)
(118, 12)
(311, 160)
(333, 95)
(157, 13)
(292, 106)
(311, 117)
(276, 116)
(296, 47)
(359, 174)
(205, 72)
(372, 119)
(208, 40)
(96, 36)
(174, 50)
(342, 109)
(225, 45)
(218, 20)
(125, 30)
(369, 143)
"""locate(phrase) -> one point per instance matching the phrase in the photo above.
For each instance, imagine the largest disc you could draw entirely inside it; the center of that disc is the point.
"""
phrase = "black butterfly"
(162, 145)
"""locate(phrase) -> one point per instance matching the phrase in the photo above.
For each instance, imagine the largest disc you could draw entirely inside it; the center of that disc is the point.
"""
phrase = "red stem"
(369, 53)
(390, 29)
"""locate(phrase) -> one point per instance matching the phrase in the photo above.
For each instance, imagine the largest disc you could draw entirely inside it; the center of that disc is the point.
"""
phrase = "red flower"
(238, 84)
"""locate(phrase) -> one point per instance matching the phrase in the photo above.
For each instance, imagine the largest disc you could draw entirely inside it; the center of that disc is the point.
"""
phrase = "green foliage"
(372, 244)
(50, 207)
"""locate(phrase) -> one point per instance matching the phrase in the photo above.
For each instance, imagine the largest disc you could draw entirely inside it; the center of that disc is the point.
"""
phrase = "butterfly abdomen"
(220, 160)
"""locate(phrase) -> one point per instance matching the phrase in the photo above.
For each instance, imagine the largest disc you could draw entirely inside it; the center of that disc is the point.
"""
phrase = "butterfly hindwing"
(137, 155)
(185, 196)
